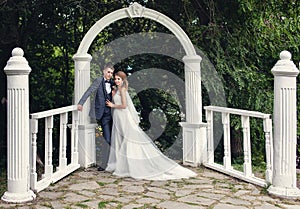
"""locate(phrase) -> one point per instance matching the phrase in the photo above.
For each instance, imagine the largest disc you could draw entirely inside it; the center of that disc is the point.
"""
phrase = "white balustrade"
(63, 169)
(247, 174)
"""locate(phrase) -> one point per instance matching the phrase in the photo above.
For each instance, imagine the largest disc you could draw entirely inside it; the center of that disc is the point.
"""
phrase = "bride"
(133, 153)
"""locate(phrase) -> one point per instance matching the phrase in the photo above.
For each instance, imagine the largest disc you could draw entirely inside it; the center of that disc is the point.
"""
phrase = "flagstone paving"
(90, 188)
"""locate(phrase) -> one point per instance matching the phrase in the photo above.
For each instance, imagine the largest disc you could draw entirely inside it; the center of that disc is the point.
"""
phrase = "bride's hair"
(123, 75)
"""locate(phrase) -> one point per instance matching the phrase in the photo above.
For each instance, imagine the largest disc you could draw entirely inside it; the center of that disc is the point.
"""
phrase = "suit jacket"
(98, 105)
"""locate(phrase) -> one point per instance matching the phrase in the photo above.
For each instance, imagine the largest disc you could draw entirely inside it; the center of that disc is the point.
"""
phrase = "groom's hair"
(109, 65)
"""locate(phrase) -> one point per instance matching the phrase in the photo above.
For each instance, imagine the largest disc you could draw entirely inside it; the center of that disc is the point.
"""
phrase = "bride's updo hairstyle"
(123, 75)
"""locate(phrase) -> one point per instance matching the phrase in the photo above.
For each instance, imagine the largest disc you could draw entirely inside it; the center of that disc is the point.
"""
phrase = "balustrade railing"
(50, 174)
(247, 173)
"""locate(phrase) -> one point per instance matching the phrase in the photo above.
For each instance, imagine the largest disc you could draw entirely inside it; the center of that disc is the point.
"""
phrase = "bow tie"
(107, 81)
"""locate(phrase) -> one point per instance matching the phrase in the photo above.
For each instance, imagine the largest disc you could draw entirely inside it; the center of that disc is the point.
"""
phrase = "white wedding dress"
(133, 154)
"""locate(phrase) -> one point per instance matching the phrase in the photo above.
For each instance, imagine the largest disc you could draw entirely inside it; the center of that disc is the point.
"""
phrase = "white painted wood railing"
(63, 169)
(247, 174)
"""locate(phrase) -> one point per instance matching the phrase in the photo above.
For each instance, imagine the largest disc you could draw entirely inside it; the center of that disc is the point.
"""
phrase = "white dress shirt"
(107, 87)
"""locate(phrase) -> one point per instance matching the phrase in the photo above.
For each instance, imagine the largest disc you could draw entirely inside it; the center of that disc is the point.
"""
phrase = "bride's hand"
(109, 103)
(113, 92)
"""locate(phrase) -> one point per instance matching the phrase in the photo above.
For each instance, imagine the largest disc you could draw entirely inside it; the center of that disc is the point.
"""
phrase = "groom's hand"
(79, 107)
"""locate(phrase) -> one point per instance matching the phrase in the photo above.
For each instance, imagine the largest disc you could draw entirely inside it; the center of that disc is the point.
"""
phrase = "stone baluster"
(33, 173)
(74, 146)
(247, 145)
(18, 165)
(48, 146)
(284, 183)
(210, 136)
(63, 141)
(227, 149)
(269, 148)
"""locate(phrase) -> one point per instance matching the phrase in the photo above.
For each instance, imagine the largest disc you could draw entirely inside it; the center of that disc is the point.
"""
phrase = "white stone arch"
(193, 124)
(134, 11)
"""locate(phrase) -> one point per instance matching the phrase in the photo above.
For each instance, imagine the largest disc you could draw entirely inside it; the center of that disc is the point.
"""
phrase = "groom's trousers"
(106, 124)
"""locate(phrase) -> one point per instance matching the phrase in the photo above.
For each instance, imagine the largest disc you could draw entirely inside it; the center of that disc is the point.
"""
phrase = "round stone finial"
(285, 55)
(17, 52)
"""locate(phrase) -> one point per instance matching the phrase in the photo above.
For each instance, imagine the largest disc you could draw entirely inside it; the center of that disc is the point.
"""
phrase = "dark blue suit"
(99, 110)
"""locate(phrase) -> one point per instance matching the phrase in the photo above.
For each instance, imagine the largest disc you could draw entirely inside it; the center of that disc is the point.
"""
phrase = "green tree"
(241, 38)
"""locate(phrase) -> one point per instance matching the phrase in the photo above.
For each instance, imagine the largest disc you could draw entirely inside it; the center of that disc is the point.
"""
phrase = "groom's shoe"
(100, 169)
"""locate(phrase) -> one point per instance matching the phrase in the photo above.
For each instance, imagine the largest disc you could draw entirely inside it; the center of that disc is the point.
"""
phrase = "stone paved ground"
(209, 190)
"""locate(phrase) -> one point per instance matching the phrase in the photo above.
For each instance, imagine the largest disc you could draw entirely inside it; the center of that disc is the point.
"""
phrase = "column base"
(86, 145)
(18, 197)
(284, 192)
(194, 143)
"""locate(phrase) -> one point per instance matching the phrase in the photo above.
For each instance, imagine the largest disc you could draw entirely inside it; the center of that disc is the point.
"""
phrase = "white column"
(285, 128)
(81, 83)
(194, 131)
(193, 92)
(18, 166)
(86, 130)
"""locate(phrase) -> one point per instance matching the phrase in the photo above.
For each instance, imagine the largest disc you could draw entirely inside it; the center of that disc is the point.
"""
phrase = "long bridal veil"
(132, 109)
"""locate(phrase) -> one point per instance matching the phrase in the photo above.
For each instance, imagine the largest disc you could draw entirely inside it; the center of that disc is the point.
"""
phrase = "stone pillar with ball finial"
(17, 71)
(284, 180)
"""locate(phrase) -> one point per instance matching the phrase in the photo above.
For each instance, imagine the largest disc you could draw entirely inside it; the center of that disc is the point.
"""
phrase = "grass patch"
(200, 169)
(102, 205)
(258, 171)
(117, 181)
(100, 183)
(47, 204)
(232, 187)
(264, 190)
(3, 181)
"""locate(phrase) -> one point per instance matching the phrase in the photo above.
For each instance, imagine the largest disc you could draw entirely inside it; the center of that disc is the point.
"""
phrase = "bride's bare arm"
(123, 99)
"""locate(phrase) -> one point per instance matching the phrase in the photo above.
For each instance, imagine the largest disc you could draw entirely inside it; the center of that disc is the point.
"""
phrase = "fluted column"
(81, 83)
(17, 71)
(284, 183)
(193, 89)
(86, 129)
(194, 131)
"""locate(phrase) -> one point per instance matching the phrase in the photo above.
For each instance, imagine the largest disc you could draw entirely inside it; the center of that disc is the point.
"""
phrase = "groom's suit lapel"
(104, 88)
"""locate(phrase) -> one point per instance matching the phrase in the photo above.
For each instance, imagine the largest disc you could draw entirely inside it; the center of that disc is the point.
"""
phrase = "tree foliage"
(241, 38)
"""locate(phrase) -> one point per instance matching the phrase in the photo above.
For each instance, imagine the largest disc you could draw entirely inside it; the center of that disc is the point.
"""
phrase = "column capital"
(284, 66)
(82, 57)
(193, 125)
(17, 64)
(192, 59)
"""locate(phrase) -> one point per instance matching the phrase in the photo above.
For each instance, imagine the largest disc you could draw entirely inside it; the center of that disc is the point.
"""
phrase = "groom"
(103, 88)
